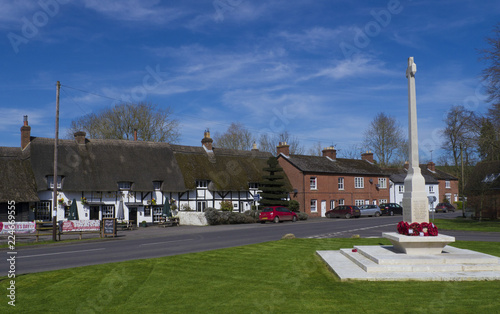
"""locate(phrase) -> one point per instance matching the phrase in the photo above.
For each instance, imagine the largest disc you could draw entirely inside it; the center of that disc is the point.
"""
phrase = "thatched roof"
(227, 169)
(17, 181)
(98, 165)
(319, 164)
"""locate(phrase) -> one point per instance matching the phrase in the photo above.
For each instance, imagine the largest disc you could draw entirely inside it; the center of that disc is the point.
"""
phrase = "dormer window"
(50, 182)
(201, 184)
(157, 185)
(253, 186)
(124, 186)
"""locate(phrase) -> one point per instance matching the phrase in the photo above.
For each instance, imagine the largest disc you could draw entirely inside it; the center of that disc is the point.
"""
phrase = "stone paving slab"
(452, 265)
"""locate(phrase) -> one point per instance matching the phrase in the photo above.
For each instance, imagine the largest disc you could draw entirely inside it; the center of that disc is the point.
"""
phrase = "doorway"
(132, 214)
(323, 208)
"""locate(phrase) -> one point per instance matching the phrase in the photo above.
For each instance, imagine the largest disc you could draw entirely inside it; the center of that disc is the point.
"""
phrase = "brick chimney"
(368, 156)
(25, 133)
(431, 166)
(330, 152)
(80, 137)
(283, 148)
(207, 140)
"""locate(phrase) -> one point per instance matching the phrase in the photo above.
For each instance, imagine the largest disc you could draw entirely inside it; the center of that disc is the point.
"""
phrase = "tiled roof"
(319, 164)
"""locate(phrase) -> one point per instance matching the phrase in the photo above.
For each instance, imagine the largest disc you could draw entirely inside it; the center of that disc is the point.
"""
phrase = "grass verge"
(283, 276)
(468, 224)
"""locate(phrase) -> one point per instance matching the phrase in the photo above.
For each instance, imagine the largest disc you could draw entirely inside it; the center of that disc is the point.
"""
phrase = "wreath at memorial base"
(417, 229)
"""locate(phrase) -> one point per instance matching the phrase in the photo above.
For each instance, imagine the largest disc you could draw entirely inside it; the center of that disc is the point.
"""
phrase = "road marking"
(165, 242)
(58, 253)
(326, 235)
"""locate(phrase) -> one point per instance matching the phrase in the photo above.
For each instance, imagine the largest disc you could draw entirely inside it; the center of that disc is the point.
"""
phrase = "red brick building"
(322, 182)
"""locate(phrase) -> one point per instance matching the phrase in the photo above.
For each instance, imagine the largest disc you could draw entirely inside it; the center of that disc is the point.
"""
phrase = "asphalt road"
(157, 242)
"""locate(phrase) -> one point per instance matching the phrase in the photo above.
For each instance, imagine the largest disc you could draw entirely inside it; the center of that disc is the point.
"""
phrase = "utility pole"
(56, 142)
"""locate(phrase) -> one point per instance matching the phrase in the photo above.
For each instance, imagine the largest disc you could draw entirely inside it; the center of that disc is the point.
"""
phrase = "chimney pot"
(80, 137)
(207, 141)
(135, 135)
(330, 152)
(25, 133)
(368, 156)
(283, 148)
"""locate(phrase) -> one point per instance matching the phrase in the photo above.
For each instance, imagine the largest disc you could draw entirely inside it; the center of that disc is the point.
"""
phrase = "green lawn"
(283, 276)
(468, 224)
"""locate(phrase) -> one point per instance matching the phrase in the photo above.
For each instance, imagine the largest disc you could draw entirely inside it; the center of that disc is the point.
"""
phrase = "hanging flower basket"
(84, 201)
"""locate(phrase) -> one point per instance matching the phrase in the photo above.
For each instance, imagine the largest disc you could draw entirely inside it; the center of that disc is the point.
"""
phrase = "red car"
(277, 214)
(444, 207)
(346, 211)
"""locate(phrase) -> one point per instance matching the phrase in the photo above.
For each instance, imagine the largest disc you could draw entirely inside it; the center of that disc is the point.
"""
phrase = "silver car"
(369, 210)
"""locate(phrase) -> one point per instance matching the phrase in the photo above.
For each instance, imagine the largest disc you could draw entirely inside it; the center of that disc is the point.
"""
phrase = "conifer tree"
(273, 186)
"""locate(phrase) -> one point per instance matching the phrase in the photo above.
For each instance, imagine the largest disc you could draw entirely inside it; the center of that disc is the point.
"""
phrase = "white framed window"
(200, 206)
(50, 182)
(108, 211)
(341, 183)
(332, 204)
(359, 202)
(124, 185)
(359, 182)
(43, 210)
(253, 186)
(201, 184)
(314, 206)
(447, 184)
(157, 213)
(401, 189)
(341, 201)
(382, 183)
(313, 182)
(157, 185)
(382, 201)
(431, 188)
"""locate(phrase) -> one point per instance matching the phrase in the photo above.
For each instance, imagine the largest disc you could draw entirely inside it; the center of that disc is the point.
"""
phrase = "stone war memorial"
(418, 251)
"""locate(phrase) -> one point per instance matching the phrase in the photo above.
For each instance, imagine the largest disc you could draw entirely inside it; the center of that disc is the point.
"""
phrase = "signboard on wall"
(20, 227)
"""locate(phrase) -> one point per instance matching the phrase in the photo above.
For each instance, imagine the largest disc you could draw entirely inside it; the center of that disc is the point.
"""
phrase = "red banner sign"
(81, 225)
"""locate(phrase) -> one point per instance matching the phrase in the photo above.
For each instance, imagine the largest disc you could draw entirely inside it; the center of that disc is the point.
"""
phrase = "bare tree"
(119, 122)
(316, 149)
(460, 134)
(353, 151)
(384, 137)
(235, 137)
(268, 143)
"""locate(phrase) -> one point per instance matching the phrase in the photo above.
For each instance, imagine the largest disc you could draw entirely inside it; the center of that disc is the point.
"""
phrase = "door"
(132, 214)
(94, 212)
(323, 208)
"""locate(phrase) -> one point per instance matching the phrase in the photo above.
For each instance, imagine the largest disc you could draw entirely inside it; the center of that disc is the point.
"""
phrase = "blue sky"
(319, 69)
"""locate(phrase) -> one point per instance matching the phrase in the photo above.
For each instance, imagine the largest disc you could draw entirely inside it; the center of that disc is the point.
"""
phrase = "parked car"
(277, 214)
(346, 211)
(444, 207)
(391, 209)
(369, 210)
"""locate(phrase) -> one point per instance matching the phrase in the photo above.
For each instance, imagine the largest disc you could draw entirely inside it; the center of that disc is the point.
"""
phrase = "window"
(332, 204)
(42, 210)
(108, 211)
(50, 182)
(201, 184)
(200, 206)
(341, 183)
(359, 182)
(382, 201)
(382, 182)
(401, 188)
(314, 207)
(147, 212)
(341, 201)
(448, 196)
(313, 181)
(157, 185)
(431, 188)
(124, 185)
(157, 213)
(447, 184)
(359, 202)
(253, 186)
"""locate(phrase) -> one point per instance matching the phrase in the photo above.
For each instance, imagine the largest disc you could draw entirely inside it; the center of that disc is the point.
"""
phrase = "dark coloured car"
(346, 211)
(277, 214)
(369, 210)
(444, 207)
(391, 209)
